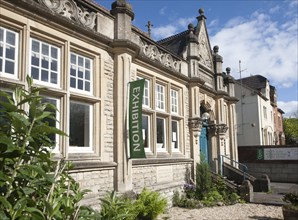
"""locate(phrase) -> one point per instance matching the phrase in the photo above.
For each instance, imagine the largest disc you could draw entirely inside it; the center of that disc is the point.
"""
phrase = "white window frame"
(146, 96)
(56, 149)
(4, 44)
(148, 148)
(161, 147)
(160, 97)
(77, 55)
(39, 54)
(85, 149)
(174, 101)
(176, 137)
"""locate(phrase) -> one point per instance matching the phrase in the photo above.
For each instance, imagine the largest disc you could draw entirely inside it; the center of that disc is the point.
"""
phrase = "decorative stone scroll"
(195, 123)
(70, 10)
(215, 129)
(152, 52)
(204, 51)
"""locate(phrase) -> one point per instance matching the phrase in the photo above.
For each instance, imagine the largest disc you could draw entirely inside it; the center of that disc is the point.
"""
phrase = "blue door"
(204, 144)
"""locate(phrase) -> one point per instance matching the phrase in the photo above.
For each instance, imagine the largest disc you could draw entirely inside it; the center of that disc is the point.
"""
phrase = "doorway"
(204, 145)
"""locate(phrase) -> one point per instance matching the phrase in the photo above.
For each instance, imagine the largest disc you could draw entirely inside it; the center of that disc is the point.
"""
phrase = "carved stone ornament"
(204, 53)
(222, 128)
(215, 129)
(70, 10)
(152, 52)
(195, 124)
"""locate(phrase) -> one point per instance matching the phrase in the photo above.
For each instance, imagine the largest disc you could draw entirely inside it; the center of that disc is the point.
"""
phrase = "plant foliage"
(291, 130)
(32, 185)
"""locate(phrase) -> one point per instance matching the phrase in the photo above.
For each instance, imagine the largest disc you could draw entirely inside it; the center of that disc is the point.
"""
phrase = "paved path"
(266, 206)
(275, 196)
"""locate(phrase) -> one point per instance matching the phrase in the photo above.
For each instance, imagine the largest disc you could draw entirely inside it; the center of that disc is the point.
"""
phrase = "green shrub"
(212, 198)
(203, 179)
(114, 207)
(32, 185)
(149, 205)
(184, 202)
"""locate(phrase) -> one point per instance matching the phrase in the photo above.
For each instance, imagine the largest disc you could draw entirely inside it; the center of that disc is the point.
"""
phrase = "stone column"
(122, 60)
(195, 125)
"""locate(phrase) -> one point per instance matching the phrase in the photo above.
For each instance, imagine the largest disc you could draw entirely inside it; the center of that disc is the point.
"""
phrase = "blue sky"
(262, 34)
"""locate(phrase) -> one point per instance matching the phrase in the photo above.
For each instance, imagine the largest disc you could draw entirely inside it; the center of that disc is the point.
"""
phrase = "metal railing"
(244, 170)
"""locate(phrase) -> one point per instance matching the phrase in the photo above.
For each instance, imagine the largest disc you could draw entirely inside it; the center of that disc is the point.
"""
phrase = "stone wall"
(99, 182)
(165, 179)
(278, 170)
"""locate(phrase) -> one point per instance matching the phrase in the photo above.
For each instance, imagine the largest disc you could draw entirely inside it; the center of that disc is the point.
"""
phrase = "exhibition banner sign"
(136, 143)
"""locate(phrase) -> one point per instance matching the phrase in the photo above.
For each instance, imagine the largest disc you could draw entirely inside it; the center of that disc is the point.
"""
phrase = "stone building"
(259, 119)
(86, 55)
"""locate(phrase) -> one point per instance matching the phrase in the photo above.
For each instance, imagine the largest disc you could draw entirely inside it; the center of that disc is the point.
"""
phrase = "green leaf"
(5, 203)
(28, 190)
(35, 213)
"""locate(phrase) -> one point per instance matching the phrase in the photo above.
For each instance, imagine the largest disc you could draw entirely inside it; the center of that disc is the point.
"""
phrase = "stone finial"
(191, 27)
(201, 16)
(215, 49)
(228, 69)
(201, 11)
(122, 6)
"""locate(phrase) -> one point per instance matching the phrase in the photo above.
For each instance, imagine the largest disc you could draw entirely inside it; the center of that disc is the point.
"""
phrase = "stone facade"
(86, 55)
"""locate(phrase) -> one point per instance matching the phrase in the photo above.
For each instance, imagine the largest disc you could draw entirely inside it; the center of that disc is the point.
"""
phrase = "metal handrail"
(244, 170)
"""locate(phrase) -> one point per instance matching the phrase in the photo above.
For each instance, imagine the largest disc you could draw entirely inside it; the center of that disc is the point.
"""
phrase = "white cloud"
(162, 10)
(274, 9)
(290, 108)
(171, 29)
(264, 47)
(184, 22)
(164, 31)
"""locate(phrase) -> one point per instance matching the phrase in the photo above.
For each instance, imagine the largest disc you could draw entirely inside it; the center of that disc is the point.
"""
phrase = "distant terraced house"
(86, 56)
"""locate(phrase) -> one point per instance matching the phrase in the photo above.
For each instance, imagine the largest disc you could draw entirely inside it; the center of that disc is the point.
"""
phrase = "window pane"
(81, 61)
(160, 130)
(54, 52)
(54, 65)
(79, 125)
(1, 35)
(1, 50)
(1, 65)
(35, 61)
(45, 63)
(87, 86)
(44, 76)
(35, 46)
(45, 49)
(34, 73)
(72, 72)
(9, 67)
(73, 82)
(175, 134)
(73, 59)
(87, 63)
(80, 84)
(53, 77)
(145, 130)
(10, 38)
(10, 53)
(87, 75)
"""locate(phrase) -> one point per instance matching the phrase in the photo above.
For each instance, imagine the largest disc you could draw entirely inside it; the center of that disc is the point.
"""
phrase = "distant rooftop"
(255, 82)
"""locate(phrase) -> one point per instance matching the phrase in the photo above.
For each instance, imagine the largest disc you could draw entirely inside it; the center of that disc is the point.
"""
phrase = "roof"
(175, 43)
(255, 82)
